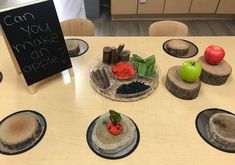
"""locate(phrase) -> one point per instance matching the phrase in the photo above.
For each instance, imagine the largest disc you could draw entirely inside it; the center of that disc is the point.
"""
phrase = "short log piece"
(214, 74)
(179, 87)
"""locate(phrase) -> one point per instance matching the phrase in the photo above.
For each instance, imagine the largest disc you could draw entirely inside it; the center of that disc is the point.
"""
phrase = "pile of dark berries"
(133, 87)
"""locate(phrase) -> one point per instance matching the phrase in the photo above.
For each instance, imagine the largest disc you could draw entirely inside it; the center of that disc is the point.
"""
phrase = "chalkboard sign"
(36, 39)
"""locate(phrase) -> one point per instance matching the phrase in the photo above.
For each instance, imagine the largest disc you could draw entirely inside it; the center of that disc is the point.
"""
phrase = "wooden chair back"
(77, 27)
(168, 28)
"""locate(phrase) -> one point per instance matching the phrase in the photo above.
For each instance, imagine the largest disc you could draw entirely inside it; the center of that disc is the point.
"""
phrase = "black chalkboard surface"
(36, 39)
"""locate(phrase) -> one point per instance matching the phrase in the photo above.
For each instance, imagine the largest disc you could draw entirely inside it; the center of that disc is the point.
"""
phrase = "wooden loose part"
(114, 55)
(107, 55)
(214, 74)
(120, 48)
(105, 77)
(179, 87)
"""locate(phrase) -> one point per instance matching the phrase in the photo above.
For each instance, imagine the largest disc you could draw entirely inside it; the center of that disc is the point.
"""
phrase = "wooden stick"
(120, 48)
(107, 55)
(114, 55)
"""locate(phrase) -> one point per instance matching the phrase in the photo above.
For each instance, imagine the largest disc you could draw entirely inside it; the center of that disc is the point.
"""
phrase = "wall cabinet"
(204, 6)
(226, 7)
(151, 6)
(177, 6)
(185, 8)
(123, 6)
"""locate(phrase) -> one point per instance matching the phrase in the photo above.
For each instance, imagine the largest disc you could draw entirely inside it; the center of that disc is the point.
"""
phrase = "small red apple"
(214, 54)
(114, 129)
(114, 125)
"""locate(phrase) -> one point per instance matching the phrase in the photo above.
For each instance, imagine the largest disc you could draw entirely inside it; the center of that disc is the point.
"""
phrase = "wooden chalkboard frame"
(63, 62)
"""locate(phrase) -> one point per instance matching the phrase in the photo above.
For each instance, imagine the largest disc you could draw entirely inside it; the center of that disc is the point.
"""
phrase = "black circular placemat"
(202, 122)
(1, 77)
(83, 46)
(127, 151)
(42, 124)
(193, 49)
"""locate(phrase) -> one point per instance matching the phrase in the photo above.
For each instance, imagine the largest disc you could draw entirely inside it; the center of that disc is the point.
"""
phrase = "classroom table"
(166, 123)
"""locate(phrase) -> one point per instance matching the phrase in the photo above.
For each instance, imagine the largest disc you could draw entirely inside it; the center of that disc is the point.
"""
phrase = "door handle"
(142, 1)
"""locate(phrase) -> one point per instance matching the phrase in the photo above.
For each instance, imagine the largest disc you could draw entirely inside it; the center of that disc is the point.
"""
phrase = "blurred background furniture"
(168, 28)
(149, 9)
(77, 27)
(92, 8)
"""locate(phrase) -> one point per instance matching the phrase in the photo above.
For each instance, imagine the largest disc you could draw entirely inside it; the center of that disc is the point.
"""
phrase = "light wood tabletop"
(167, 124)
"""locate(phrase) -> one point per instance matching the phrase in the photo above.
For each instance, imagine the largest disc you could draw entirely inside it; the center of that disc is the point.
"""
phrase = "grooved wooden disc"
(18, 128)
(222, 128)
(217, 128)
(21, 131)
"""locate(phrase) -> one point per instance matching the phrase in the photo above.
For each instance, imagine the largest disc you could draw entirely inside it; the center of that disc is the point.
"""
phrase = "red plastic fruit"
(123, 70)
(114, 129)
(214, 54)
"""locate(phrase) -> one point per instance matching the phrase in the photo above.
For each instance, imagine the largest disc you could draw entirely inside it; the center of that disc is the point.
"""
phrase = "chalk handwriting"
(40, 53)
(41, 41)
(35, 29)
(10, 20)
(41, 65)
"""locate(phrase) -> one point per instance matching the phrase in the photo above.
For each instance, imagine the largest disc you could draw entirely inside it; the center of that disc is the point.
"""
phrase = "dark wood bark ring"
(214, 74)
(73, 47)
(179, 87)
(1, 77)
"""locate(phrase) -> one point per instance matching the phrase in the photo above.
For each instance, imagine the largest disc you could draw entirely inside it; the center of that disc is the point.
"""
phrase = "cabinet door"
(226, 7)
(177, 6)
(150, 6)
(204, 6)
(123, 6)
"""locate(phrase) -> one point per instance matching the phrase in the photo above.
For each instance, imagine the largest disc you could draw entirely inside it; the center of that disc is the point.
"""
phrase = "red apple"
(114, 129)
(214, 54)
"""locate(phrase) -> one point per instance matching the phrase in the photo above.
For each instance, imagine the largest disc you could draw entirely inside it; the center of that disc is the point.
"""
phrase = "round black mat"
(193, 49)
(202, 122)
(42, 124)
(83, 46)
(127, 151)
(1, 77)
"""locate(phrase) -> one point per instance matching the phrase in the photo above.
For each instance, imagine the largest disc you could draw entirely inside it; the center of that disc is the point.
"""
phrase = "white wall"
(67, 9)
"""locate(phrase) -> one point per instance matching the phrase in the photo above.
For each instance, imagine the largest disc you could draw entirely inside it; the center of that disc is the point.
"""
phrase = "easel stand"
(32, 88)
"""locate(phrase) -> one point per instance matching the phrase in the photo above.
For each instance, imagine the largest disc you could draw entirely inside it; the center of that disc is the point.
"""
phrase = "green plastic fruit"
(190, 71)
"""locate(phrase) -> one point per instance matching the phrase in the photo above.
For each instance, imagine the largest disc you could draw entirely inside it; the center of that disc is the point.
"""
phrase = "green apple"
(190, 71)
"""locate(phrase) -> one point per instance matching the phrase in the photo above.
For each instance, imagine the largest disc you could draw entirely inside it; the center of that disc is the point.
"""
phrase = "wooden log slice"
(214, 74)
(73, 47)
(222, 128)
(179, 87)
(178, 47)
(108, 143)
(18, 130)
